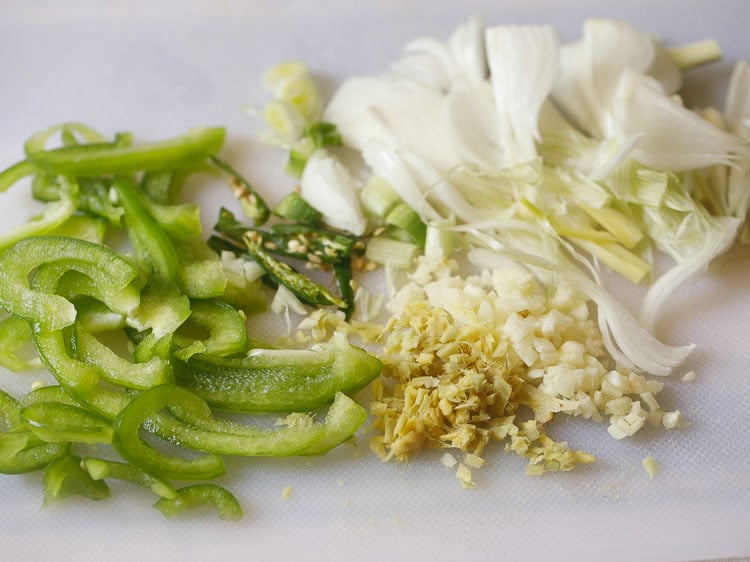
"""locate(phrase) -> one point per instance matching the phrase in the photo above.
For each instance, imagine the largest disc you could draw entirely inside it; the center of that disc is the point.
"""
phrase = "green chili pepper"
(342, 272)
(252, 203)
(131, 446)
(283, 274)
(198, 494)
(275, 380)
(314, 244)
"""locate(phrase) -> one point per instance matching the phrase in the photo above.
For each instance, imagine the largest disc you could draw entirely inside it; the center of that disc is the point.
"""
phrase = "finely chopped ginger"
(494, 356)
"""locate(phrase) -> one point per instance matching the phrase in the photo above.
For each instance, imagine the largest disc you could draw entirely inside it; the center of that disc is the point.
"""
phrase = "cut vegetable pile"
(534, 165)
(152, 339)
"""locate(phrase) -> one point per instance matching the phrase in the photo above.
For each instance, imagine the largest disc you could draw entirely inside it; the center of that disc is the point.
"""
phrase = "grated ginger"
(466, 358)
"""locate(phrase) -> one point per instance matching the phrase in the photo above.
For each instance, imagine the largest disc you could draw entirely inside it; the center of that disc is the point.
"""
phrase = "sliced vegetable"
(100, 469)
(275, 380)
(135, 450)
(193, 496)
(106, 158)
(66, 477)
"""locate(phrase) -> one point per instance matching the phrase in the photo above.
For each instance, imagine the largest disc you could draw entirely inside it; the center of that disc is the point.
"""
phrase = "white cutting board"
(158, 68)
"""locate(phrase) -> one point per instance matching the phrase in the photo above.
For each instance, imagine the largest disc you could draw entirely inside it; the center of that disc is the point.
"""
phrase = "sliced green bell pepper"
(100, 469)
(55, 422)
(111, 158)
(195, 495)
(274, 380)
(135, 450)
(301, 436)
(66, 477)
(114, 276)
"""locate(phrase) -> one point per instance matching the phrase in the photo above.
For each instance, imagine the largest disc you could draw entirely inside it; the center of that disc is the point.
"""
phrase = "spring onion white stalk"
(569, 157)
(397, 253)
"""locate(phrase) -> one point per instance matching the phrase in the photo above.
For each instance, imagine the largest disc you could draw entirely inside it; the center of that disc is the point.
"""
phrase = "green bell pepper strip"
(55, 422)
(15, 335)
(182, 221)
(80, 380)
(54, 215)
(95, 316)
(24, 452)
(223, 437)
(83, 227)
(273, 380)
(20, 450)
(300, 435)
(100, 469)
(131, 446)
(118, 370)
(158, 185)
(202, 274)
(114, 158)
(57, 348)
(203, 279)
(95, 200)
(226, 328)
(198, 494)
(10, 413)
(153, 248)
(66, 477)
(9, 176)
(113, 275)
(37, 141)
(343, 420)
(52, 393)
(163, 309)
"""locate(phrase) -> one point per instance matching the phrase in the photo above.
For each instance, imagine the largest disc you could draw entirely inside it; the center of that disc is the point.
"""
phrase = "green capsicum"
(274, 380)
(195, 495)
(298, 435)
(115, 277)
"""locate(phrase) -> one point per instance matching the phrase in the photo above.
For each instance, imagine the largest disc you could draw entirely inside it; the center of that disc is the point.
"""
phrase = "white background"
(158, 68)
